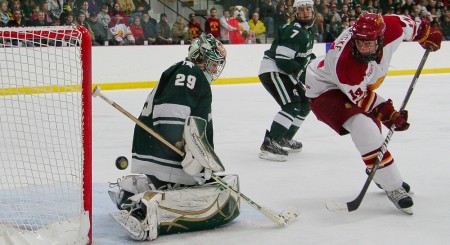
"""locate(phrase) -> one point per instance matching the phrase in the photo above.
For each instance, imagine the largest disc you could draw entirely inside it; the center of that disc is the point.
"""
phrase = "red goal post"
(45, 135)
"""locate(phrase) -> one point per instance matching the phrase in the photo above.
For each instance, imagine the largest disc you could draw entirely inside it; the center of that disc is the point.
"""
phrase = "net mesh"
(41, 146)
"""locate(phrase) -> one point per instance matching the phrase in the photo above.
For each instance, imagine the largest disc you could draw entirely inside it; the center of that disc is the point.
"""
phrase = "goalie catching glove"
(386, 113)
(200, 158)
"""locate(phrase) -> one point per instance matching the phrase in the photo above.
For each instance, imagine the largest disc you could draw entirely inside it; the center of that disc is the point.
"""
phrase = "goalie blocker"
(151, 213)
(200, 156)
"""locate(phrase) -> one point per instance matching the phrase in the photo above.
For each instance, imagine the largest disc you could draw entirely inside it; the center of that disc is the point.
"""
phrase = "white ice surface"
(328, 168)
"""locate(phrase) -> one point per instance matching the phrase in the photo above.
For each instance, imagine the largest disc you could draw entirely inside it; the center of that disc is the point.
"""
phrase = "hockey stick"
(353, 205)
(284, 218)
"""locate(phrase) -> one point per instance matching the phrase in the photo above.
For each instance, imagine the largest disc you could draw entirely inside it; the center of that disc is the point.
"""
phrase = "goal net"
(45, 135)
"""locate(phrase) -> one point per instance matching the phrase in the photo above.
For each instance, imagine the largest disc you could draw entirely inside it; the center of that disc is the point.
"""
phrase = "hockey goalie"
(171, 192)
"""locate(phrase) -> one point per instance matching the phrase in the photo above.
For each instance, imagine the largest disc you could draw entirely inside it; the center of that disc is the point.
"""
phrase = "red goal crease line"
(39, 90)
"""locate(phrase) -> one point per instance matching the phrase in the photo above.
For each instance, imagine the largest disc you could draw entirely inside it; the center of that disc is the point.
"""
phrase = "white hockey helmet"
(209, 51)
(298, 3)
(304, 3)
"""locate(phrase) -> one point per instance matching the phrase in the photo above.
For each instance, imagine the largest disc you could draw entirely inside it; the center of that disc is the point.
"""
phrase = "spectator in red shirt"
(194, 27)
(137, 31)
(212, 24)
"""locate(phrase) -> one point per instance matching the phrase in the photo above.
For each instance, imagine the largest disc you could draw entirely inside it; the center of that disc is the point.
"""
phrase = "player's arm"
(421, 31)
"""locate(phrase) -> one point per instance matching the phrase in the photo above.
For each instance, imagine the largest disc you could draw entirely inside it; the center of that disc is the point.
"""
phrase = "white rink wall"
(136, 64)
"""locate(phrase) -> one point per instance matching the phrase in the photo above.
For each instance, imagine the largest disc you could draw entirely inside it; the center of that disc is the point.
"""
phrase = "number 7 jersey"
(340, 69)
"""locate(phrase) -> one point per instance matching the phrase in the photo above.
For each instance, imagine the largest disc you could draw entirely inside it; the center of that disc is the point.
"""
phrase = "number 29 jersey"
(182, 91)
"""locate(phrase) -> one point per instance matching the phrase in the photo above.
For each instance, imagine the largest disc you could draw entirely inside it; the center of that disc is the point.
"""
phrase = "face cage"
(215, 64)
(368, 57)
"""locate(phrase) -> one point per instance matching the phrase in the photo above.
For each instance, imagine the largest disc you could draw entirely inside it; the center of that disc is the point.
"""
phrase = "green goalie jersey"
(291, 52)
(182, 91)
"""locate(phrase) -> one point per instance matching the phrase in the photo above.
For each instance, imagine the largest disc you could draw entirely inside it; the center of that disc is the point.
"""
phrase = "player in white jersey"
(341, 90)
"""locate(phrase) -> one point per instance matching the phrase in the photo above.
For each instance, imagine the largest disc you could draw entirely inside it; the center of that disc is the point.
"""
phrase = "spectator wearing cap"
(334, 12)
(163, 30)
(149, 28)
(195, 28)
(100, 32)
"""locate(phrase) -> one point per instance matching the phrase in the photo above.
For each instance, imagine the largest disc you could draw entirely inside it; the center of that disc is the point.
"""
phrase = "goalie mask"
(367, 37)
(209, 54)
(304, 12)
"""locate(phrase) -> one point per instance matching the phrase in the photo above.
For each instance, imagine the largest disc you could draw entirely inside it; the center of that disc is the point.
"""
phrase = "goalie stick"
(335, 206)
(282, 219)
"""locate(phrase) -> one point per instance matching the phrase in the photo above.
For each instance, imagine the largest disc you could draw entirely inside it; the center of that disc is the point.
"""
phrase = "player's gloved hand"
(428, 37)
(386, 113)
(190, 165)
(193, 167)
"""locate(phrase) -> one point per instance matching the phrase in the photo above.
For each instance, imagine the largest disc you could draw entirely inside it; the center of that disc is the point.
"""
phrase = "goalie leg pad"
(180, 210)
(199, 208)
(197, 144)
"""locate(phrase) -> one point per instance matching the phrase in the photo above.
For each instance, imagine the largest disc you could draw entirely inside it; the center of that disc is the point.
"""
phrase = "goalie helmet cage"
(45, 135)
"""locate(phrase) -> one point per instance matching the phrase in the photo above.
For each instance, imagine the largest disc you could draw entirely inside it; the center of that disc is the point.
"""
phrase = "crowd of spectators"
(127, 22)
(333, 16)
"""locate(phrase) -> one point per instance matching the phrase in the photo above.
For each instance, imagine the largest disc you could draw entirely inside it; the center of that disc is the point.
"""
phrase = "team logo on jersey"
(348, 105)
(295, 92)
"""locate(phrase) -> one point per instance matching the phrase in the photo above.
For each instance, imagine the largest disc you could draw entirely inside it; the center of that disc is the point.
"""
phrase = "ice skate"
(271, 150)
(290, 145)
(401, 200)
(404, 185)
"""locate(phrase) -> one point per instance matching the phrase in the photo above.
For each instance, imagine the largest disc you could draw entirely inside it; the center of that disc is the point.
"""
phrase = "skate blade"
(407, 211)
(292, 150)
(272, 157)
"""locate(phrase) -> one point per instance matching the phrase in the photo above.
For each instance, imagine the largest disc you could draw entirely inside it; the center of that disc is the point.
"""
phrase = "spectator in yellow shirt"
(257, 27)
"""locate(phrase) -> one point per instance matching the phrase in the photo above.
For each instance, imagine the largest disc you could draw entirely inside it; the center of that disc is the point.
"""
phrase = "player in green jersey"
(282, 72)
(168, 193)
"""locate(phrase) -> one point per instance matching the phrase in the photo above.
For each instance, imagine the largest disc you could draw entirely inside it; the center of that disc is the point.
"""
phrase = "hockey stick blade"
(336, 207)
(288, 216)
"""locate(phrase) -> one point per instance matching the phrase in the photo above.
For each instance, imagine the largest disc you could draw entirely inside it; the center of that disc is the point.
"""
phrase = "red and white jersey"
(340, 69)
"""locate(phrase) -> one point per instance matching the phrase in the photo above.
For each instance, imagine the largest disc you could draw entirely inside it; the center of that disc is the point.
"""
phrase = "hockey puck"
(122, 163)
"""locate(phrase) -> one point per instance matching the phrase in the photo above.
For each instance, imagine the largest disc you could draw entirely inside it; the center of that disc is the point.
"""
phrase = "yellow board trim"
(152, 84)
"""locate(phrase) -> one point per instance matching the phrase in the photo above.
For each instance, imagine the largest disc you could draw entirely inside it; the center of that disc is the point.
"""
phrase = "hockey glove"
(193, 167)
(386, 113)
(190, 165)
(428, 37)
